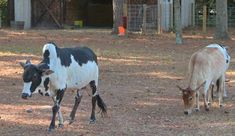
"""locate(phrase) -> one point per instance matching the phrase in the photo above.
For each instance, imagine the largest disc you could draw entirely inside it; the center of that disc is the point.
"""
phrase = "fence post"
(144, 17)
(204, 19)
(193, 14)
(171, 16)
(0, 18)
(159, 9)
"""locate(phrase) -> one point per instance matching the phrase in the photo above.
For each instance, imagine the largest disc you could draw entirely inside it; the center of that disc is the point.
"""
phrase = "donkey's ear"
(47, 72)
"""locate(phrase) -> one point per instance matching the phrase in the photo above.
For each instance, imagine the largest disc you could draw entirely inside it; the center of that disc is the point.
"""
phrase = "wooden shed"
(58, 13)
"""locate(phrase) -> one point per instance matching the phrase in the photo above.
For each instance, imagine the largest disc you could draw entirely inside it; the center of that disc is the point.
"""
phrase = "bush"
(3, 8)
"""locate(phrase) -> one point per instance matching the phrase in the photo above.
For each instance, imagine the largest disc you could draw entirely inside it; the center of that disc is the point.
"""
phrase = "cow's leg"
(94, 93)
(224, 90)
(56, 107)
(221, 88)
(205, 96)
(197, 101)
(100, 102)
(78, 98)
(60, 116)
(209, 95)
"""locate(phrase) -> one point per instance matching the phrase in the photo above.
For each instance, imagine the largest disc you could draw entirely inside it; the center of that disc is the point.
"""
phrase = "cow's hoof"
(207, 109)
(61, 126)
(197, 109)
(51, 129)
(71, 121)
(92, 121)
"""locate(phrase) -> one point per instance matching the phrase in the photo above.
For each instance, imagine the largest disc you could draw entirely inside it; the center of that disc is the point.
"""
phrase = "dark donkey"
(63, 68)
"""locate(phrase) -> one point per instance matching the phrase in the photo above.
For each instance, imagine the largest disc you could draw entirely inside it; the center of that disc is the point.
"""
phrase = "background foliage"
(3, 8)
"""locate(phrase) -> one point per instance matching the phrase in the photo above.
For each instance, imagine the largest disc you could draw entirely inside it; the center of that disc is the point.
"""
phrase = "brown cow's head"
(189, 96)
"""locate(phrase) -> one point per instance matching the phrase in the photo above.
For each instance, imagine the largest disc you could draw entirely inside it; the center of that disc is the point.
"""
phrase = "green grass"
(18, 49)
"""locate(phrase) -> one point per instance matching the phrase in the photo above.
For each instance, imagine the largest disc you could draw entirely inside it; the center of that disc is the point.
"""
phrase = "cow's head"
(33, 77)
(189, 96)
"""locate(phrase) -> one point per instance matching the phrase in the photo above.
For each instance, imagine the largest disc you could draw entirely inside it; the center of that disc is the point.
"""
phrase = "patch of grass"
(17, 49)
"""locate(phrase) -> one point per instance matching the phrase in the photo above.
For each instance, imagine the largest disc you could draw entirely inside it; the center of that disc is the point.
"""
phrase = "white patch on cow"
(74, 76)
(223, 50)
(96, 93)
(26, 88)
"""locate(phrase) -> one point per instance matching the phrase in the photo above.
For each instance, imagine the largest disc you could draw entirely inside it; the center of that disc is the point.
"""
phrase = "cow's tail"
(101, 105)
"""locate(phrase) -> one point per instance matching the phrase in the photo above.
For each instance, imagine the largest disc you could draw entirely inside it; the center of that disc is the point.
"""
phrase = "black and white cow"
(61, 68)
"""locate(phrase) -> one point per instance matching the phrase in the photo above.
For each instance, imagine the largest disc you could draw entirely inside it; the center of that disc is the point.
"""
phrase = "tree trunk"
(178, 25)
(117, 14)
(221, 20)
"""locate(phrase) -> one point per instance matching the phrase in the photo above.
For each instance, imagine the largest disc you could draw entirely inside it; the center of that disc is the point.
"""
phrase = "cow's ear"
(28, 61)
(47, 72)
(22, 64)
(181, 89)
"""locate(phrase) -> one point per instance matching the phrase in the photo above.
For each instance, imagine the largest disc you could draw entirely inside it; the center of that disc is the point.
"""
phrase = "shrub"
(3, 8)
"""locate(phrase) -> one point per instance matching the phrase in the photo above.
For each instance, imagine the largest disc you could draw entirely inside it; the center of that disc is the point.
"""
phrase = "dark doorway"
(93, 13)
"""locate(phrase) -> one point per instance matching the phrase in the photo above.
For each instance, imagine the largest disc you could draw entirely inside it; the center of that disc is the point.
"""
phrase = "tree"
(117, 14)
(178, 27)
(221, 20)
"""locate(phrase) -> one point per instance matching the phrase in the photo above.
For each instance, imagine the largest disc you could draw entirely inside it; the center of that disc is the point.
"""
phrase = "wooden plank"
(159, 29)
(41, 16)
(204, 19)
(144, 18)
(51, 14)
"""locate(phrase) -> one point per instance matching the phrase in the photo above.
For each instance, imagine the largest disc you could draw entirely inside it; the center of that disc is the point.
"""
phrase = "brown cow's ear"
(47, 72)
(181, 89)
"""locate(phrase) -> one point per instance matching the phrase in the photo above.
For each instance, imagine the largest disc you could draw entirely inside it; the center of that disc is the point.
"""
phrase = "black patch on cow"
(46, 55)
(81, 55)
(227, 55)
(32, 74)
(46, 84)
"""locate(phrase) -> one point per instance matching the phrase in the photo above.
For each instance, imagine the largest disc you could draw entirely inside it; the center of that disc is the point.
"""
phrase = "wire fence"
(211, 16)
(142, 18)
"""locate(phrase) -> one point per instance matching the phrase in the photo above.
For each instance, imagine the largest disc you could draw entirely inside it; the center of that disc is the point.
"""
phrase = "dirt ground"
(138, 78)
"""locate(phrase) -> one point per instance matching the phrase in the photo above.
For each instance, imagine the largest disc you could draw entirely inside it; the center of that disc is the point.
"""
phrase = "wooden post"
(204, 19)
(0, 18)
(171, 16)
(125, 14)
(159, 17)
(144, 18)
(193, 13)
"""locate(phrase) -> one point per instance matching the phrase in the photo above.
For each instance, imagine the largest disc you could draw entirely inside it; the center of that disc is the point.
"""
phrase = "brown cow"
(206, 66)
